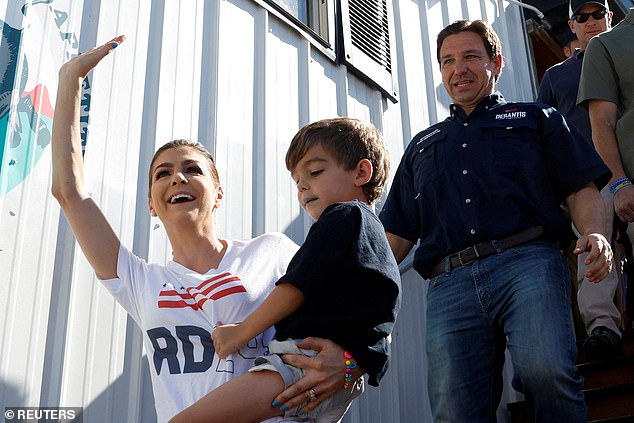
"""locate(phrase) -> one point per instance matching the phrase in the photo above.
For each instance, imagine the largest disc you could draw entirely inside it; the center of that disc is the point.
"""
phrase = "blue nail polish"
(298, 340)
(115, 44)
(275, 403)
(283, 408)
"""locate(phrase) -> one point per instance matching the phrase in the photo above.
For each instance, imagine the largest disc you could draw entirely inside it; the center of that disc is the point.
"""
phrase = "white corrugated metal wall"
(240, 79)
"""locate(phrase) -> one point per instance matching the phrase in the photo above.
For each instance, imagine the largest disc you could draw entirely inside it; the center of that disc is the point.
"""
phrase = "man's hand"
(624, 203)
(599, 256)
(227, 339)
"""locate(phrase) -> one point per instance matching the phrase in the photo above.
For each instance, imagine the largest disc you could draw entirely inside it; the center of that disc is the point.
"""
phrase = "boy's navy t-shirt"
(351, 286)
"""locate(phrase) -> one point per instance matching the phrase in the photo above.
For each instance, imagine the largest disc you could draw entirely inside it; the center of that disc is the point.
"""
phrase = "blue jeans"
(520, 299)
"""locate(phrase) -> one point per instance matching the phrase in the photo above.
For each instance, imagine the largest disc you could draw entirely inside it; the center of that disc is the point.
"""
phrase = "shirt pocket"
(426, 161)
(511, 142)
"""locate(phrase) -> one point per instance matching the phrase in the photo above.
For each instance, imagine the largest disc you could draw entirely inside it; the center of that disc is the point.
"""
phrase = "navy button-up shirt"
(504, 168)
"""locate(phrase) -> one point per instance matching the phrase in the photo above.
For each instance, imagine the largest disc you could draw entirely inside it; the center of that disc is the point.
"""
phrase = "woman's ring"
(312, 394)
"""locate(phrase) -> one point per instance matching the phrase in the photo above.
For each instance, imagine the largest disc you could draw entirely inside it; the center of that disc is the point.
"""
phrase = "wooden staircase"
(609, 389)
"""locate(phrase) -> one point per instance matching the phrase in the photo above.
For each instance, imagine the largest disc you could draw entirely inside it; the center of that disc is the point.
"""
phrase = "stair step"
(607, 373)
(608, 389)
(627, 419)
(610, 402)
(604, 404)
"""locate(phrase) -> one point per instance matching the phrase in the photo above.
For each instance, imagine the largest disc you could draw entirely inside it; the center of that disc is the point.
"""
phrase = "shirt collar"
(486, 103)
(578, 54)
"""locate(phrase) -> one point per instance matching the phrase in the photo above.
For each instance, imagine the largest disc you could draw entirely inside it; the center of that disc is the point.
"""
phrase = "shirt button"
(464, 145)
(468, 200)
(472, 231)
(465, 171)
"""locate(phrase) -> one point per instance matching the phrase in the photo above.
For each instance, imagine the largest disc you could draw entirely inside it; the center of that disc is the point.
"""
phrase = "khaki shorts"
(330, 410)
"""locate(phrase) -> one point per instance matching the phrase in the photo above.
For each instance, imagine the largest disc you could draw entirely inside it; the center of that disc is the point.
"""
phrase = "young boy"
(342, 284)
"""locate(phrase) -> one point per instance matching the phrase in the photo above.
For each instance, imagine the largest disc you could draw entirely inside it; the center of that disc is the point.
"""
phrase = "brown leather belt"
(485, 249)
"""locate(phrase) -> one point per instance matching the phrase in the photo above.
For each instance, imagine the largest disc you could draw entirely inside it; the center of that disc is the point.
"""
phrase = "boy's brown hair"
(349, 140)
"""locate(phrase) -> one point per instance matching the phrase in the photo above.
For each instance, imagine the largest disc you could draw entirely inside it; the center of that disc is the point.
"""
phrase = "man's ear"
(151, 207)
(363, 172)
(497, 65)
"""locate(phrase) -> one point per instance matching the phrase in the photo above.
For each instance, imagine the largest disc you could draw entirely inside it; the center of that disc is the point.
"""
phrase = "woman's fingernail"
(275, 403)
(283, 408)
(115, 44)
(298, 340)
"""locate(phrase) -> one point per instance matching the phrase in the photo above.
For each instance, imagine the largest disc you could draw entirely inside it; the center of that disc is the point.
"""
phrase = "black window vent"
(370, 33)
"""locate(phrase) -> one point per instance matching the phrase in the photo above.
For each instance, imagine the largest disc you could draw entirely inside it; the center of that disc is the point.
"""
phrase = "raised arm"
(93, 232)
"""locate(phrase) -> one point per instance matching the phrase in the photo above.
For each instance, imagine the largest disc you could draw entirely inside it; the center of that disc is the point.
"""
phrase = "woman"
(209, 280)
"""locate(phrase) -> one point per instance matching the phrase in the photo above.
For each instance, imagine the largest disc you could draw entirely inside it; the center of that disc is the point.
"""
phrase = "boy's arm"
(284, 300)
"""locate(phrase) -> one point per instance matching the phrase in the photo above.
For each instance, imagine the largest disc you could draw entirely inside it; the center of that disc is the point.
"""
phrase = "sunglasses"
(583, 17)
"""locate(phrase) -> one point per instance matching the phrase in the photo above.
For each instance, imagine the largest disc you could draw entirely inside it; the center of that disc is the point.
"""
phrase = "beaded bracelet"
(347, 379)
(618, 184)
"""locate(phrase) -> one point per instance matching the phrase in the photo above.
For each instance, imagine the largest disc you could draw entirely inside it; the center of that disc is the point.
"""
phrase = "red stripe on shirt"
(177, 304)
(228, 291)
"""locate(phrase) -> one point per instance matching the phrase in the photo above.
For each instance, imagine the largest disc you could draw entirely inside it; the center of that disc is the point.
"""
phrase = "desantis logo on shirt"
(510, 114)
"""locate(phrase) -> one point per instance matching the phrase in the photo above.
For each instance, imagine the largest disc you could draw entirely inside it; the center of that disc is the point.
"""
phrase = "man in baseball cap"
(559, 88)
(575, 5)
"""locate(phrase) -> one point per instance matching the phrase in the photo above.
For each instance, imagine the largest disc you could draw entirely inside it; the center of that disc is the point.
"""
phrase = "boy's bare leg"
(245, 399)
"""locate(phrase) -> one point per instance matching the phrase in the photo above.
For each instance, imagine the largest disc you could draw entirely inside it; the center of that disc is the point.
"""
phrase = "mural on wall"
(35, 42)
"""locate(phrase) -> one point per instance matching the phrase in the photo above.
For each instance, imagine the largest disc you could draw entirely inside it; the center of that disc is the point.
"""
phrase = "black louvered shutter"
(368, 41)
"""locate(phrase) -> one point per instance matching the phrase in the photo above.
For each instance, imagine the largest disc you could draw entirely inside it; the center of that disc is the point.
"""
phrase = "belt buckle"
(475, 250)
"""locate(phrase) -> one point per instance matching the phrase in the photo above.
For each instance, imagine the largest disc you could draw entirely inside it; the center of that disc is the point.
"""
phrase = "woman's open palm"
(81, 65)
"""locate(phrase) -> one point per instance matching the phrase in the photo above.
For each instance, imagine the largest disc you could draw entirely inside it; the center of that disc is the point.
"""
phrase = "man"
(481, 193)
(607, 90)
(559, 88)
(571, 43)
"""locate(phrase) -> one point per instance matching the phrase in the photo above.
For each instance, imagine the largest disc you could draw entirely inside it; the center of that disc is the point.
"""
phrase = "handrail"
(540, 15)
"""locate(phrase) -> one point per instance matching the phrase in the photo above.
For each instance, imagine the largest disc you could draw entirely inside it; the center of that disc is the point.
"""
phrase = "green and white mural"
(35, 42)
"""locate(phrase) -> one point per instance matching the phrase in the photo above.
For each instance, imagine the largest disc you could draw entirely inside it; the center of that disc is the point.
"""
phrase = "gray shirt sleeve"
(598, 75)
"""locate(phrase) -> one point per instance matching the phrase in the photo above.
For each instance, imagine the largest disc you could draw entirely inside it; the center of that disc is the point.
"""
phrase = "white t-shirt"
(177, 309)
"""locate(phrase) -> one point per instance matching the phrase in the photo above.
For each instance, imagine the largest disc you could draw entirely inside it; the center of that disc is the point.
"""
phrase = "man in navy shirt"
(559, 88)
(481, 193)
(571, 43)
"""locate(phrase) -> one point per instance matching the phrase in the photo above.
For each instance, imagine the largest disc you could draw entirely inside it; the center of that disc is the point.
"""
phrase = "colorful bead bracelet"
(347, 380)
